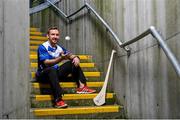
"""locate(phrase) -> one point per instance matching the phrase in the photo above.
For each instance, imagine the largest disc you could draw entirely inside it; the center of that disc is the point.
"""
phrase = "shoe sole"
(64, 106)
(85, 92)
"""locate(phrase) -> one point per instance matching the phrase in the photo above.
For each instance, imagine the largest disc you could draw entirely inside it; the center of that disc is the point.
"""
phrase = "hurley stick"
(100, 98)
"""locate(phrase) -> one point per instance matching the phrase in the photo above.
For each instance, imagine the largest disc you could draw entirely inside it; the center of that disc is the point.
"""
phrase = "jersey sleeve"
(42, 52)
(64, 50)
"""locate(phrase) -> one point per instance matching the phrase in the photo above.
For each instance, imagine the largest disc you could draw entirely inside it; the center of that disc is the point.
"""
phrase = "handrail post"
(166, 49)
(161, 42)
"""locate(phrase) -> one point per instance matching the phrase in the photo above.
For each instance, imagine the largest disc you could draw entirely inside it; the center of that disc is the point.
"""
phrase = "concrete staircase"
(79, 105)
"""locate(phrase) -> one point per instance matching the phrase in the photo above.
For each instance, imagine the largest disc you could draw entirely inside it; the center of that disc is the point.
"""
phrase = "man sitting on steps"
(49, 55)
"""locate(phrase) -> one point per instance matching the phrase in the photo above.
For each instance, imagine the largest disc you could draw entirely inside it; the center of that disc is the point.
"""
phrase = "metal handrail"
(42, 7)
(89, 8)
(107, 26)
(152, 30)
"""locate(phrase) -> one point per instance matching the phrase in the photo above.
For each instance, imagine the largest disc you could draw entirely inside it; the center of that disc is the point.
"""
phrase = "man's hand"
(76, 61)
(64, 56)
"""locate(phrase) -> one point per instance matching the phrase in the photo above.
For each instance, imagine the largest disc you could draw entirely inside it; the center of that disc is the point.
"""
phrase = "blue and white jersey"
(47, 52)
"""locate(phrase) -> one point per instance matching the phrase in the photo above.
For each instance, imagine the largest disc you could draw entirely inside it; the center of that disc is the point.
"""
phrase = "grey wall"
(145, 83)
(14, 60)
(149, 86)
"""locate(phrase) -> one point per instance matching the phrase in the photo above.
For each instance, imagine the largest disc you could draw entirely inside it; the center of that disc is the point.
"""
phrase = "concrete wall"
(14, 60)
(145, 83)
(149, 86)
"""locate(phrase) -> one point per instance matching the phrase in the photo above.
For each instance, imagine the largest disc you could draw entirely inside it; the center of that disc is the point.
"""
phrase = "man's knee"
(69, 64)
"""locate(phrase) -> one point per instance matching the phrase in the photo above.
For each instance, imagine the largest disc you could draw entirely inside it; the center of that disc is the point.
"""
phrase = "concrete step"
(66, 90)
(38, 38)
(82, 57)
(70, 96)
(66, 84)
(33, 52)
(84, 69)
(33, 42)
(87, 74)
(71, 103)
(33, 29)
(80, 105)
(34, 47)
(82, 65)
(36, 33)
(76, 110)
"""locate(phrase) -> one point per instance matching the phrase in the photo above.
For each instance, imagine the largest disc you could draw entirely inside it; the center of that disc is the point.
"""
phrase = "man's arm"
(54, 61)
(44, 56)
(75, 59)
(71, 56)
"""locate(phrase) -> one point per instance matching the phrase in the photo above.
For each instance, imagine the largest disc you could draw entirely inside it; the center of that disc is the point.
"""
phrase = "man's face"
(53, 36)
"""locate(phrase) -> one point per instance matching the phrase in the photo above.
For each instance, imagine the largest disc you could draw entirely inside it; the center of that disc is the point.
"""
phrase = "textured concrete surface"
(145, 83)
(14, 61)
(1, 61)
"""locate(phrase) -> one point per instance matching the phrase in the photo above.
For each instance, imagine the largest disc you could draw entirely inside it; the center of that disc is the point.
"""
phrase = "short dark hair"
(52, 28)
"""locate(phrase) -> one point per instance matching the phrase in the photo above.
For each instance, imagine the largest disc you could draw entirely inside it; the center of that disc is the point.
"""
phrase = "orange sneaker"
(60, 104)
(85, 90)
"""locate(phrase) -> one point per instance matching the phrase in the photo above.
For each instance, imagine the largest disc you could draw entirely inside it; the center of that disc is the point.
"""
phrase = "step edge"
(71, 96)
